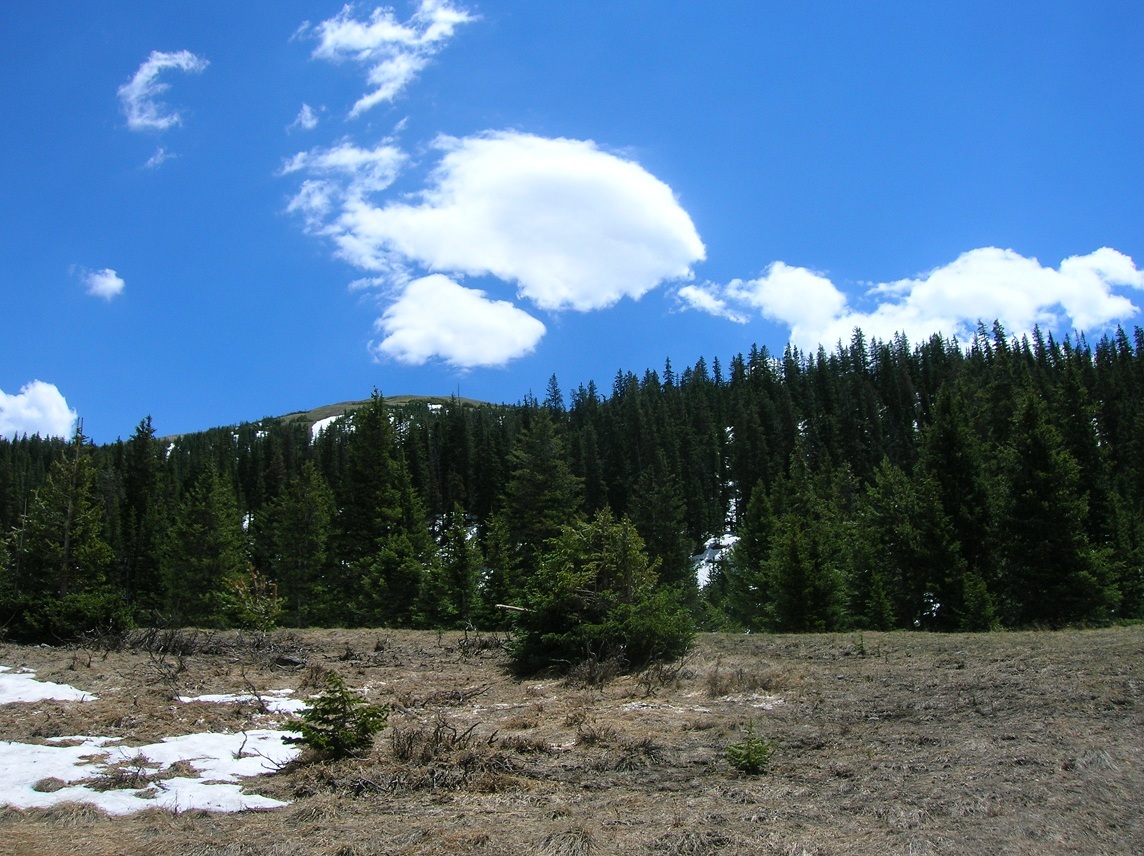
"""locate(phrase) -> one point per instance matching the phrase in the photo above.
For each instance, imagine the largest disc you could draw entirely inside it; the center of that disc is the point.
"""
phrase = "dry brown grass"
(1025, 743)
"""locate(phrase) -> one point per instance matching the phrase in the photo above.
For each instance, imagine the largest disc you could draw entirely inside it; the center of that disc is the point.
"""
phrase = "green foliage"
(595, 598)
(752, 755)
(205, 548)
(252, 600)
(54, 583)
(339, 723)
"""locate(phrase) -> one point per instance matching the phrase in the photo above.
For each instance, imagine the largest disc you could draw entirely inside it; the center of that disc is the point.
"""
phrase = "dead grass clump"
(523, 745)
(594, 672)
(596, 735)
(575, 841)
(423, 744)
(694, 842)
(722, 682)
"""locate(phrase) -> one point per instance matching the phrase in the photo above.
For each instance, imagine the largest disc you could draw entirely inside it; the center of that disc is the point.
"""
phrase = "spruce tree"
(293, 535)
(55, 586)
(205, 550)
(1052, 574)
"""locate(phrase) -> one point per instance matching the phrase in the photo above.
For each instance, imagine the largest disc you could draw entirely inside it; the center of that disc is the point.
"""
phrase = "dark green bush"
(595, 598)
(339, 723)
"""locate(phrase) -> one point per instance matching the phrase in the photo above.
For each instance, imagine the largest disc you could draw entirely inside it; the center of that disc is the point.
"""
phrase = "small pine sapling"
(751, 756)
(339, 723)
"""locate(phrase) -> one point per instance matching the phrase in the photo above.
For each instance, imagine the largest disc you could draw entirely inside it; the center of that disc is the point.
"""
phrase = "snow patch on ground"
(194, 771)
(275, 701)
(23, 686)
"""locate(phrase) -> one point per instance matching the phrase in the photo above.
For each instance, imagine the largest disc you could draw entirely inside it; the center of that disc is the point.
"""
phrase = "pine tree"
(542, 494)
(205, 549)
(55, 586)
(1052, 574)
(294, 534)
(383, 537)
(595, 599)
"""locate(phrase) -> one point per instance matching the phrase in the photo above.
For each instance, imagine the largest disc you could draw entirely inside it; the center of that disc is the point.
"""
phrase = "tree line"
(943, 485)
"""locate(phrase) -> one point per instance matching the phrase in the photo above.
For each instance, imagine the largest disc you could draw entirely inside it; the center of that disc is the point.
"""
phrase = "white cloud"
(572, 226)
(307, 119)
(138, 96)
(985, 284)
(393, 52)
(38, 408)
(104, 283)
(160, 157)
(437, 318)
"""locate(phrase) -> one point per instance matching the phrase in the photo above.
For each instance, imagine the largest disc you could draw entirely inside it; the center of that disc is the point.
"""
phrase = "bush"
(595, 599)
(340, 723)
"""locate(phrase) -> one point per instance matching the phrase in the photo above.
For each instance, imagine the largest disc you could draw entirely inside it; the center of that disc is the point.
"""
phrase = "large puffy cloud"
(436, 318)
(572, 226)
(139, 95)
(38, 408)
(985, 284)
(394, 53)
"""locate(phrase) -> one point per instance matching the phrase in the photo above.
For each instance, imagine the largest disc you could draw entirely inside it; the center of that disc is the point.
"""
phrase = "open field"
(883, 743)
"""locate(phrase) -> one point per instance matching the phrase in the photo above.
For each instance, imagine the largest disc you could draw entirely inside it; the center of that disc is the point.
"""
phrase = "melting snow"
(321, 425)
(275, 701)
(80, 769)
(194, 771)
(23, 686)
(715, 550)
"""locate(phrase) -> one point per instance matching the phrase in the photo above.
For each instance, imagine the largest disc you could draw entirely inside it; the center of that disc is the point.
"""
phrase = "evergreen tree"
(144, 516)
(55, 583)
(294, 534)
(383, 537)
(1052, 574)
(542, 494)
(595, 598)
(204, 551)
(449, 597)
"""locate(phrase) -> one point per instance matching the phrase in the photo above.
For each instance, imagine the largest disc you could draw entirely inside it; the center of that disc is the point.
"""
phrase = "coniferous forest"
(942, 485)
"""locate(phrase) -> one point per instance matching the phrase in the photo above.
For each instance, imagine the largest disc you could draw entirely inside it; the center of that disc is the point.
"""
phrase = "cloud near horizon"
(982, 285)
(139, 95)
(436, 317)
(394, 53)
(38, 408)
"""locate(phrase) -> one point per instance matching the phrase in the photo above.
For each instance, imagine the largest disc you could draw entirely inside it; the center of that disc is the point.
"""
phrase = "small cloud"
(705, 298)
(393, 52)
(104, 283)
(985, 284)
(435, 318)
(38, 408)
(160, 157)
(139, 95)
(306, 119)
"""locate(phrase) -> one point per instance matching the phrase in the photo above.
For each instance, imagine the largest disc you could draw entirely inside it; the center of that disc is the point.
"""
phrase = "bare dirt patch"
(883, 743)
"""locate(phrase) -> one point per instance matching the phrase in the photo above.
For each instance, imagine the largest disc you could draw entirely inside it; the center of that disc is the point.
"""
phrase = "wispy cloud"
(160, 157)
(392, 52)
(104, 283)
(307, 119)
(436, 318)
(985, 284)
(38, 408)
(139, 96)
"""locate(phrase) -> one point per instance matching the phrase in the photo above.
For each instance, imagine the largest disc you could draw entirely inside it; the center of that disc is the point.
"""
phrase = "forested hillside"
(943, 485)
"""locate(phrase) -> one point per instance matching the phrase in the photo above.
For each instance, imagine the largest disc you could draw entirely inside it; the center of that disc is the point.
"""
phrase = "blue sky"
(215, 212)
